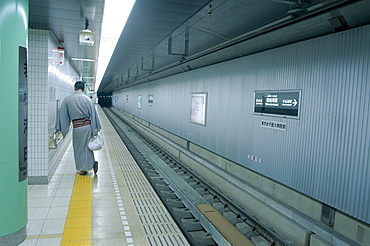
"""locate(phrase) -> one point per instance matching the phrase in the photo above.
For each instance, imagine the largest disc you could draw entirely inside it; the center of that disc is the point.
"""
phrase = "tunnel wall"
(323, 153)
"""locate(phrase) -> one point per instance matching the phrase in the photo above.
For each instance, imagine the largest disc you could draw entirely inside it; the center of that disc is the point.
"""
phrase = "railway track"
(183, 192)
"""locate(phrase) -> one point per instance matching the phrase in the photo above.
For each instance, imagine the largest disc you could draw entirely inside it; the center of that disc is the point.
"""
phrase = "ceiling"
(165, 37)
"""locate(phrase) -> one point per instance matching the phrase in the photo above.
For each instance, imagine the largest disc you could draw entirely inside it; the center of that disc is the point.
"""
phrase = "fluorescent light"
(83, 59)
(116, 13)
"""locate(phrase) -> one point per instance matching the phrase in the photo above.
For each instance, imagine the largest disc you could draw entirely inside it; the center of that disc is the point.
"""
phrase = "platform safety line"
(78, 227)
(126, 226)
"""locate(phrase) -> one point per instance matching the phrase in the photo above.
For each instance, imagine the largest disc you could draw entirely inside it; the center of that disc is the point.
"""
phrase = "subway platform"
(117, 206)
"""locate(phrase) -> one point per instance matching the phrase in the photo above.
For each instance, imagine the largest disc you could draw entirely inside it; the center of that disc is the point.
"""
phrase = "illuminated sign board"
(22, 114)
(277, 103)
(198, 108)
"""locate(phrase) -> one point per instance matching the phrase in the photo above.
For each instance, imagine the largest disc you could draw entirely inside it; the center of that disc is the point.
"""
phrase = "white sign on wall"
(198, 108)
(273, 125)
(150, 100)
(139, 101)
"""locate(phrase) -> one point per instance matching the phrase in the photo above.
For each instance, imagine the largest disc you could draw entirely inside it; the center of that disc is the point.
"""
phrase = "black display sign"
(22, 113)
(277, 103)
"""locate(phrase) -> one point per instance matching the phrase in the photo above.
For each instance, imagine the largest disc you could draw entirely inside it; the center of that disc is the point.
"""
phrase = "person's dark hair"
(79, 85)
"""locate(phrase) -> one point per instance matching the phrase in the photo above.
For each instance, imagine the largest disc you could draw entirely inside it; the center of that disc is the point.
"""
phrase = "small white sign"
(139, 101)
(253, 158)
(60, 56)
(273, 125)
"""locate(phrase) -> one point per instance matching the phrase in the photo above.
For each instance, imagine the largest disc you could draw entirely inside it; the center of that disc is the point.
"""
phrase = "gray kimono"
(78, 106)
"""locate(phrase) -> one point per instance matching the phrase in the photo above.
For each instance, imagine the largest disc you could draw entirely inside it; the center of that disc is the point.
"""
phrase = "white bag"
(96, 143)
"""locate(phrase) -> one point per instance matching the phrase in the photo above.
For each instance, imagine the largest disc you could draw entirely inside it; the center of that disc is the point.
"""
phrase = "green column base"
(15, 238)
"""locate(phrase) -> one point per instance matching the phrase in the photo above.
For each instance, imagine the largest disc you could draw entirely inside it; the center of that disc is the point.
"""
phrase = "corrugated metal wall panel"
(324, 153)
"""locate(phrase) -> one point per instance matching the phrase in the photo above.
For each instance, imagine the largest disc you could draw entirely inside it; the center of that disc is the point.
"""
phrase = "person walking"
(79, 109)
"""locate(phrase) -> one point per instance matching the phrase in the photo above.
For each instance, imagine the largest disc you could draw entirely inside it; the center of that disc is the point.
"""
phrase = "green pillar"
(13, 121)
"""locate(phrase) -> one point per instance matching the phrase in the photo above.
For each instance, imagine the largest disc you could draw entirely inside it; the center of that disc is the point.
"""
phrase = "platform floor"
(115, 207)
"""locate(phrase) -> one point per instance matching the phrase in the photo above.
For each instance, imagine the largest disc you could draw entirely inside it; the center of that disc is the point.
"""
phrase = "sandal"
(95, 167)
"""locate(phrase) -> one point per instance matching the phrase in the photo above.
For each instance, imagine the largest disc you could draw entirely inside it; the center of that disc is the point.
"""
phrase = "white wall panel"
(47, 82)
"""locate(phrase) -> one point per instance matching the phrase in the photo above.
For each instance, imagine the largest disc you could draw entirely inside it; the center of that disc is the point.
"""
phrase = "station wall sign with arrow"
(277, 103)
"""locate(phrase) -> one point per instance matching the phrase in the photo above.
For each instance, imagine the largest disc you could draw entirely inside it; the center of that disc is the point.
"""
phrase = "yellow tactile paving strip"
(78, 227)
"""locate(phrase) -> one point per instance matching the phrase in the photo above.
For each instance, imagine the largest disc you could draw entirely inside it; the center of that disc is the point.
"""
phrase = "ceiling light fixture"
(83, 59)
